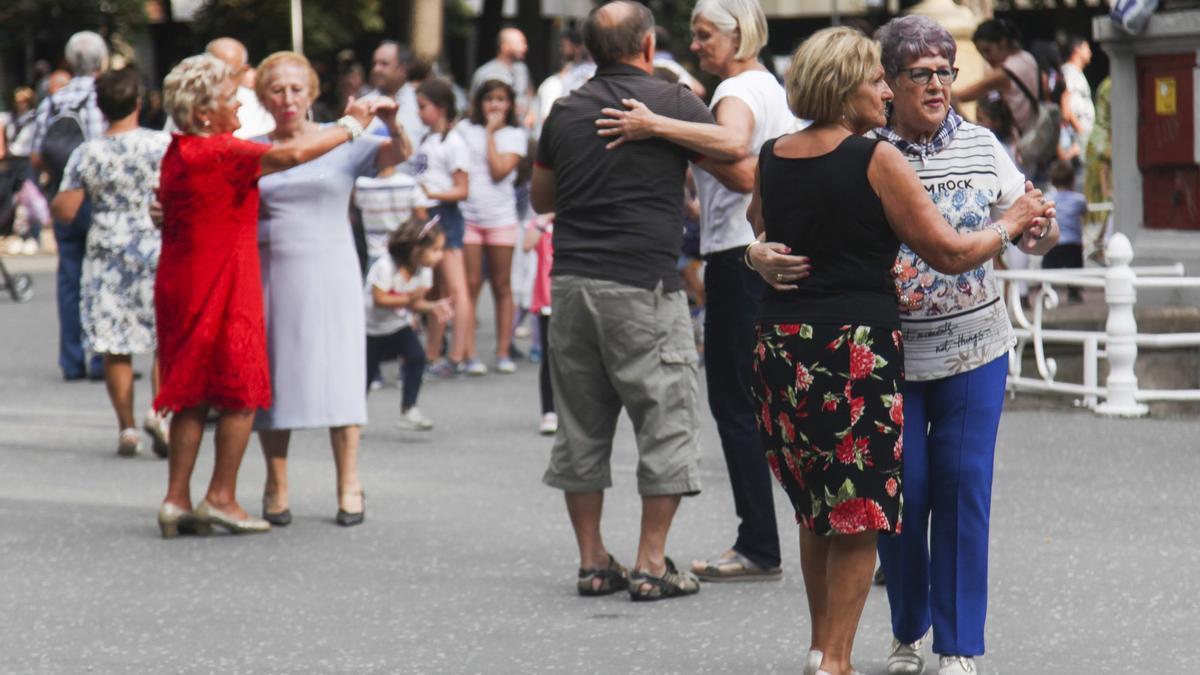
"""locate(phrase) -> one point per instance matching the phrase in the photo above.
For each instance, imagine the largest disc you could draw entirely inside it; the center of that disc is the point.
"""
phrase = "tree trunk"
(427, 29)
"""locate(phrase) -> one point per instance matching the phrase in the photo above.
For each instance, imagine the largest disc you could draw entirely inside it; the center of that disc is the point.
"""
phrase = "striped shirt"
(953, 323)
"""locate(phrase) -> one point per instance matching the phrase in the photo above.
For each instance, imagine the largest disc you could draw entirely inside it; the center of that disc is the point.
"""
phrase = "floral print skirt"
(831, 417)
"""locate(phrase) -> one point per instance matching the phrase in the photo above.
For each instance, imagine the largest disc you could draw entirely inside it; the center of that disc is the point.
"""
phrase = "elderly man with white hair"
(64, 120)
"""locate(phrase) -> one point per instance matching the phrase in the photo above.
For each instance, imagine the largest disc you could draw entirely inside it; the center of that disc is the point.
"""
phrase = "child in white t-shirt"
(394, 294)
(495, 146)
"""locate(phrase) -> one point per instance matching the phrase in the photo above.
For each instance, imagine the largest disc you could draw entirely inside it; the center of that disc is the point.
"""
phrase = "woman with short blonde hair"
(829, 362)
(208, 294)
(312, 288)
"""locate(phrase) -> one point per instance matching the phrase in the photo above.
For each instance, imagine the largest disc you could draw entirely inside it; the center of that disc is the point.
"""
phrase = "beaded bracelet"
(1004, 241)
(351, 126)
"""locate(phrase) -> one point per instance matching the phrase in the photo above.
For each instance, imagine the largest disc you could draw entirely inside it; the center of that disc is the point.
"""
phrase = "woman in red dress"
(208, 293)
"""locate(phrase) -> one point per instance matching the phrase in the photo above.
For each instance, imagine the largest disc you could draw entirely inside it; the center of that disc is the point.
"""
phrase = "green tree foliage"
(265, 26)
(53, 21)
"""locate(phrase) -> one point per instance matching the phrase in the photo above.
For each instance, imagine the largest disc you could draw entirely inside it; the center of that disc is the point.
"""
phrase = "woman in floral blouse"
(956, 340)
(829, 362)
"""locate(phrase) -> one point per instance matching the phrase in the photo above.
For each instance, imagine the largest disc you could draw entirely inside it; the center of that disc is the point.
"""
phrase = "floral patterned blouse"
(953, 323)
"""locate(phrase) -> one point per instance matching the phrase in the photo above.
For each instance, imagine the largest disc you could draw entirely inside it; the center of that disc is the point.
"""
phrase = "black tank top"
(824, 207)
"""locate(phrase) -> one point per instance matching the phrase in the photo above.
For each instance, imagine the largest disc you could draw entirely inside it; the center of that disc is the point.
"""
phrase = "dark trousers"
(733, 293)
(544, 388)
(1065, 256)
(72, 243)
(405, 345)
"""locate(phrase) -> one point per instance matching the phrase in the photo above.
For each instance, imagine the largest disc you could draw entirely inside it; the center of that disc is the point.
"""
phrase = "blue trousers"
(72, 243)
(732, 295)
(937, 568)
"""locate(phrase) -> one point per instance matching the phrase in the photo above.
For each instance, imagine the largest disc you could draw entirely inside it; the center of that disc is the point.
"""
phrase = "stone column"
(960, 22)
(426, 39)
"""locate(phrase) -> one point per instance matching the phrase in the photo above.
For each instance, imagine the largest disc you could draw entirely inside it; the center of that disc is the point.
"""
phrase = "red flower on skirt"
(851, 448)
(898, 449)
(830, 403)
(892, 487)
(788, 328)
(857, 405)
(764, 418)
(794, 469)
(773, 461)
(804, 379)
(897, 338)
(857, 515)
(785, 428)
(897, 411)
(862, 362)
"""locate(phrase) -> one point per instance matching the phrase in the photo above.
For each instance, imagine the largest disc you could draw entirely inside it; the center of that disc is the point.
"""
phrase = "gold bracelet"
(746, 254)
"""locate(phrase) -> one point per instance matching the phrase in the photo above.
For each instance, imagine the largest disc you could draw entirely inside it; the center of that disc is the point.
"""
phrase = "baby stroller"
(19, 286)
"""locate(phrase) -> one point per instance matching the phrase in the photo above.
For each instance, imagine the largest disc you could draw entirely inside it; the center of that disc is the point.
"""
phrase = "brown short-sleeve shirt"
(618, 213)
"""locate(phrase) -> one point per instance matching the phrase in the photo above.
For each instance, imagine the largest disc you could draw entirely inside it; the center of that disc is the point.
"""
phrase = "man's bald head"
(230, 51)
(511, 44)
(616, 31)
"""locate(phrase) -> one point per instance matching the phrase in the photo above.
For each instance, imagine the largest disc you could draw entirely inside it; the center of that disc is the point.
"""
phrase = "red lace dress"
(208, 293)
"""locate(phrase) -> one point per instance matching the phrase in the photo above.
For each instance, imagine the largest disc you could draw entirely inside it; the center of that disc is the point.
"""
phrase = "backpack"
(1038, 145)
(64, 133)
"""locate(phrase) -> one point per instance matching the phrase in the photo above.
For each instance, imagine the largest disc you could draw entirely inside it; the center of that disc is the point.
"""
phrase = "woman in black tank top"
(829, 361)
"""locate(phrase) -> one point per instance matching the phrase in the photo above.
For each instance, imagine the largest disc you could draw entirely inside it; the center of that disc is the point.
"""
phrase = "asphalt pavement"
(466, 562)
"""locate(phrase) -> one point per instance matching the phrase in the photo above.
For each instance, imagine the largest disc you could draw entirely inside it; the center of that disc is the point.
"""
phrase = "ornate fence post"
(1121, 294)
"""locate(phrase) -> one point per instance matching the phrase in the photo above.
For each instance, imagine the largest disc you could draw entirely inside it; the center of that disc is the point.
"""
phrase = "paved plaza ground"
(466, 562)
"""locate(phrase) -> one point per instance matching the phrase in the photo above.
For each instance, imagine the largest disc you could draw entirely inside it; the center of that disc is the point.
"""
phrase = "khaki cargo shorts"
(615, 346)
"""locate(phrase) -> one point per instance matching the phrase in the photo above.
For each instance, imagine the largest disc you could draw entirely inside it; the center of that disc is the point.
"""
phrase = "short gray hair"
(610, 39)
(744, 16)
(191, 86)
(86, 53)
(908, 38)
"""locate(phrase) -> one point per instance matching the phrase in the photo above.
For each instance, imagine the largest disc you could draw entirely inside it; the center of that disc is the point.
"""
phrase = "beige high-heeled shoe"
(174, 521)
(213, 516)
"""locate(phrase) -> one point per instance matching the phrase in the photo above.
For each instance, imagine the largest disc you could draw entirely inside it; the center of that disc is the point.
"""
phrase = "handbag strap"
(1021, 85)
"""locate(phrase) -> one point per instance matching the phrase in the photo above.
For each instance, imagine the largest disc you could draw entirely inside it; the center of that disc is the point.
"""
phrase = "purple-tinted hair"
(908, 38)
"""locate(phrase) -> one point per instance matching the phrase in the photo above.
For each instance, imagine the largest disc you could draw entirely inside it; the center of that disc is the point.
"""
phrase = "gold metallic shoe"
(174, 521)
(212, 516)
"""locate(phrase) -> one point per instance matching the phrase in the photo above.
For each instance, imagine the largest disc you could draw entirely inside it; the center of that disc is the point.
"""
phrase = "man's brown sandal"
(613, 579)
(735, 567)
(672, 584)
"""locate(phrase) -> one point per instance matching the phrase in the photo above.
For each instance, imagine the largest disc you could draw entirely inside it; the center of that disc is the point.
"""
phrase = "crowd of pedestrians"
(847, 220)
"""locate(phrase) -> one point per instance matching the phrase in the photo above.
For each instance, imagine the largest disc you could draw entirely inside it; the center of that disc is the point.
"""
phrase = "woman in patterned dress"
(119, 172)
(829, 360)
(208, 292)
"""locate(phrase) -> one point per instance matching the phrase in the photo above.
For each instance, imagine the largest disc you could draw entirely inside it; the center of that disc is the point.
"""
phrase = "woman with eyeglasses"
(957, 336)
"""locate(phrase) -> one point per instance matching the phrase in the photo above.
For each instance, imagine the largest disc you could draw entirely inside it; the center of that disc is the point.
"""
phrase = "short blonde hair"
(265, 69)
(825, 71)
(192, 86)
(744, 16)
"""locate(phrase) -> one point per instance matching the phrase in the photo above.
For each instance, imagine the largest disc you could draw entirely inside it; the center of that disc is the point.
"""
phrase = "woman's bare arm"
(457, 193)
(728, 140)
(994, 78)
(918, 223)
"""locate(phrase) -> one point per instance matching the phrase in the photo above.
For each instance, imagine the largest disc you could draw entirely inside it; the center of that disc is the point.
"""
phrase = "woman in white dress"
(119, 173)
(316, 338)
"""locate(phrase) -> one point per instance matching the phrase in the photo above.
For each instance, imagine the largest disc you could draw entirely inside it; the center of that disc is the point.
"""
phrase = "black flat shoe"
(281, 519)
(347, 519)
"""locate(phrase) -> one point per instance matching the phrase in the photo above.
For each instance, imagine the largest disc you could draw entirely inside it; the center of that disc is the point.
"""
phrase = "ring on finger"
(779, 276)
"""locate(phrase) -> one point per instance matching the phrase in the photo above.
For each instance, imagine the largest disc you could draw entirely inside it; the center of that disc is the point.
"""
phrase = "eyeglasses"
(922, 76)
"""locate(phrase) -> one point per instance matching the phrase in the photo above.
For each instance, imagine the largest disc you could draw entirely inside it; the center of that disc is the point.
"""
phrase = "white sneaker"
(956, 665)
(473, 367)
(413, 420)
(506, 366)
(812, 663)
(906, 659)
(15, 245)
(29, 247)
(549, 425)
(375, 385)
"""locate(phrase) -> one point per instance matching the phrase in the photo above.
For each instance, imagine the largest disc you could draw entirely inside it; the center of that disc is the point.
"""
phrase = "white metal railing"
(1118, 343)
